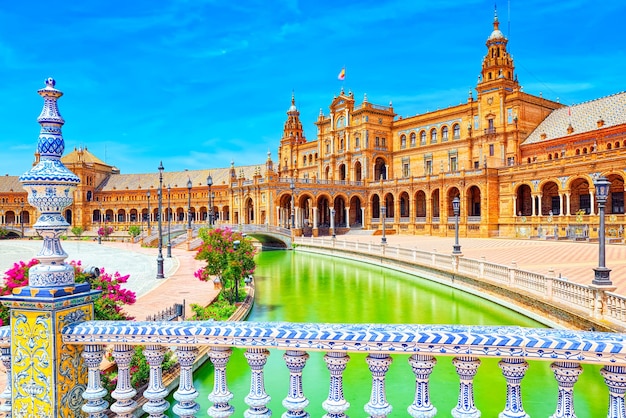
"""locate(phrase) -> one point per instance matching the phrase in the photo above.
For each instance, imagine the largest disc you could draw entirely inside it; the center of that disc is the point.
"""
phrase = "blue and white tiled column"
(48, 377)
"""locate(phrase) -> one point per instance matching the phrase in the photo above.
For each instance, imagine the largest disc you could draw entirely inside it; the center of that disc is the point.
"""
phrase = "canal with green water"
(301, 287)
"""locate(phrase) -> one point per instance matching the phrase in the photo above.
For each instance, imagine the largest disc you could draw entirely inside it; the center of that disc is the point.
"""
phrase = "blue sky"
(198, 83)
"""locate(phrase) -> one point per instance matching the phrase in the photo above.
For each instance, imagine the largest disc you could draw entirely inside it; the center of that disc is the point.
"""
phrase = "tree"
(226, 261)
(77, 230)
(134, 231)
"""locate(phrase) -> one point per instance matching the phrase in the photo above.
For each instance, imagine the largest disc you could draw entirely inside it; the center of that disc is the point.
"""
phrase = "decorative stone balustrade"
(595, 306)
(426, 345)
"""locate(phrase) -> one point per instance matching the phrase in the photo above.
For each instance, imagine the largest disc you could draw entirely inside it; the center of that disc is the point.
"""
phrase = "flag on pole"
(342, 74)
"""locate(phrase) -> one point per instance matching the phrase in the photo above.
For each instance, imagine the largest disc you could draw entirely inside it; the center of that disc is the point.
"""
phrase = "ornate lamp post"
(209, 182)
(602, 274)
(236, 244)
(160, 274)
(148, 218)
(292, 186)
(169, 222)
(456, 207)
(383, 214)
(100, 224)
(332, 222)
(189, 185)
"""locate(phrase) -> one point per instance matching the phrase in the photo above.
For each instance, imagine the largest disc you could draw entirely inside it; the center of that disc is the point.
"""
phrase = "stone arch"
(473, 201)
(342, 172)
(356, 212)
(108, 215)
(339, 204)
(358, 173)
(121, 216)
(523, 201)
(285, 207)
(388, 201)
(380, 169)
(434, 206)
(375, 205)
(304, 203)
(420, 204)
(9, 217)
(580, 199)
(452, 193)
(249, 211)
(134, 217)
(323, 210)
(615, 200)
(550, 200)
(405, 205)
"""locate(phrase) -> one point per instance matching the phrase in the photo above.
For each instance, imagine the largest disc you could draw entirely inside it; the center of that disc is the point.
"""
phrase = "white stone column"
(533, 202)
(362, 217)
(569, 204)
(592, 209)
(315, 217)
(514, 205)
(561, 208)
(539, 210)
(348, 218)
(278, 216)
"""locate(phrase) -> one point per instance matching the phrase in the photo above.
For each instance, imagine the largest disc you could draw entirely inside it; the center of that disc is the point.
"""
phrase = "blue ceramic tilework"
(592, 347)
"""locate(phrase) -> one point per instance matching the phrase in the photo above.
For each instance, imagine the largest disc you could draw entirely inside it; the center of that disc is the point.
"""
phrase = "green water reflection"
(300, 287)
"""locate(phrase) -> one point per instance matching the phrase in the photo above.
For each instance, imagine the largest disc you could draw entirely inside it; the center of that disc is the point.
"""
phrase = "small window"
(453, 164)
(433, 136)
(413, 138)
(428, 167)
(444, 133)
(491, 150)
(456, 131)
(403, 141)
(406, 172)
(423, 138)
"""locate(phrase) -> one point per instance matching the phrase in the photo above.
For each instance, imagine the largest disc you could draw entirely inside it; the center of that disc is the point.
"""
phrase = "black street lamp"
(332, 221)
(189, 185)
(236, 244)
(148, 218)
(169, 222)
(209, 182)
(383, 214)
(22, 219)
(602, 274)
(292, 186)
(456, 207)
(160, 274)
(100, 225)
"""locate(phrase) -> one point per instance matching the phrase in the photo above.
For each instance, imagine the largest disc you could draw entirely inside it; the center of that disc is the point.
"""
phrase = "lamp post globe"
(189, 185)
(601, 273)
(456, 208)
(160, 274)
(209, 182)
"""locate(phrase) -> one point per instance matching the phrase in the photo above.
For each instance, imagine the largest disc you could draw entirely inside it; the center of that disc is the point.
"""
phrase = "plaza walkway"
(572, 260)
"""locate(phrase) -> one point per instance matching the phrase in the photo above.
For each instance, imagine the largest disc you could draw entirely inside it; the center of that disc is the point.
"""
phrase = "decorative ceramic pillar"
(466, 368)
(5, 357)
(336, 405)
(220, 396)
(186, 394)
(513, 370)
(47, 375)
(96, 406)
(566, 374)
(422, 366)
(257, 399)
(156, 392)
(295, 402)
(378, 407)
(124, 393)
(615, 379)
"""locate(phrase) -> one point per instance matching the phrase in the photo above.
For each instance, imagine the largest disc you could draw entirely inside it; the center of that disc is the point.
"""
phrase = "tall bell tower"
(498, 70)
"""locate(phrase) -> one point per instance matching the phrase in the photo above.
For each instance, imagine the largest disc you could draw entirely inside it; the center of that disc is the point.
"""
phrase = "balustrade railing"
(596, 303)
(427, 346)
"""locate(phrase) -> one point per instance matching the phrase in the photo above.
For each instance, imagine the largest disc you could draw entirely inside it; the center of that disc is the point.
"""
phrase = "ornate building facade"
(522, 166)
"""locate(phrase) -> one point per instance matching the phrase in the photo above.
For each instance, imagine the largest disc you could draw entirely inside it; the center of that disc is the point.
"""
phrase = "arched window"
(549, 156)
(444, 133)
(413, 139)
(577, 151)
(433, 136)
(423, 138)
(608, 146)
(456, 131)
(403, 141)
